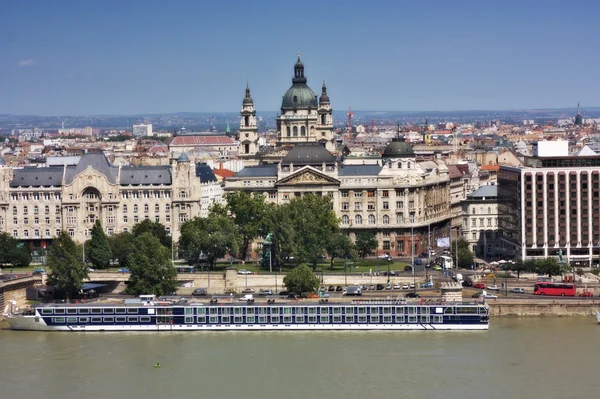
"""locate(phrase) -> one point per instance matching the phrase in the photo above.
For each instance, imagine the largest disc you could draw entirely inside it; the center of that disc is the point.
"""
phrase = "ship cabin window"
(84, 311)
(262, 310)
(361, 310)
(312, 310)
(299, 319)
(96, 311)
(59, 311)
(59, 320)
(349, 319)
(109, 319)
(287, 319)
(225, 319)
(274, 310)
(424, 310)
(438, 319)
(71, 320)
(324, 310)
(120, 319)
(466, 310)
(287, 310)
(96, 319)
(83, 319)
(387, 310)
(109, 311)
(362, 319)
(201, 319)
(374, 310)
(374, 318)
(312, 319)
(324, 319)
(337, 319)
(188, 311)
(250, 319)
(214, 311)
(483, 310)
(132, 310)
(412, 319)
(425, 318)
(120, 310)
(145, 319)
(200, 311)
(387, 319)
(46, 311)
(411, 309)
(449, 311)
(132, 320)
(399, 310)
(336, 310)
(238, 319)
(274, 319)
(189, 319)
(262, 319)
(72, 311)
(213, 319)
(400, 319)
(300, 310)
(238, 311)
(225, 311)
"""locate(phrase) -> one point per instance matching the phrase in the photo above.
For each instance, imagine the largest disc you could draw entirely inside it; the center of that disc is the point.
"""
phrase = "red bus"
(547, 288)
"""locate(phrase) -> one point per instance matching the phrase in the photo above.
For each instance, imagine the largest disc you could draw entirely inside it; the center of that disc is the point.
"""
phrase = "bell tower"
(325, 121)
(248, 137)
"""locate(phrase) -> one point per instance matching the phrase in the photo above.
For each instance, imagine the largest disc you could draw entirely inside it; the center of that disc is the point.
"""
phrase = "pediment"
(308, 177)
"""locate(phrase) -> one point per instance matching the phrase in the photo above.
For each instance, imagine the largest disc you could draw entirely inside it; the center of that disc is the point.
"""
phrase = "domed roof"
(248, 99)
(324, 99)
(299, 96)
(308, 154)
(398, 148)
(183, 157)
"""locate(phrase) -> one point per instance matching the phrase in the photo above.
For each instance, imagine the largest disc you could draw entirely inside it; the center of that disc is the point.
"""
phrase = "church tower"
(325, 124)
(578, 117)
(248, 138)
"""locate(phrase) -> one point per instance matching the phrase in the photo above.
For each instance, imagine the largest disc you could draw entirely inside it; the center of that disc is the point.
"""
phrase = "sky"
(141, 57)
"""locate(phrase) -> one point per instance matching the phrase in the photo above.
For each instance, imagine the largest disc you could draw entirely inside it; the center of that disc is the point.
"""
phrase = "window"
(411, 218)
(345, 220)
(473, 211)
(344, 194)
(357, 206)
(371, 219)
(25, 210)
(156, 208)
(399, 205)
(167, 208)
(489, 210)
(386, 219)
(136, 219)
(358, 219)
(386, 205)
(385, 193)
(473, 222)
(125, 219)
(46, 210)
(345, 206)
(146, 208)
(400, 218)
(135, 209)
(14, 210)
(358, 194)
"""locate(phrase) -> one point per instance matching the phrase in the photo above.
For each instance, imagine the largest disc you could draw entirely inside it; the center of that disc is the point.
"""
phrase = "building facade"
(480, 221)
(142, 130)
(37, 203)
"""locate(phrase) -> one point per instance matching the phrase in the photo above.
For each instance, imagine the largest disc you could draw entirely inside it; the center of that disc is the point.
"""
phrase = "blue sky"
(128, 57)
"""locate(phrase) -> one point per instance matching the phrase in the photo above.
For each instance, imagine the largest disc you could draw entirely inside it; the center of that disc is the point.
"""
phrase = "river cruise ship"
(270, 314)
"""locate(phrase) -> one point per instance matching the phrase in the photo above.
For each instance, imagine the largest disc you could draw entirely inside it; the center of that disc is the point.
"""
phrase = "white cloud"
(26, 63)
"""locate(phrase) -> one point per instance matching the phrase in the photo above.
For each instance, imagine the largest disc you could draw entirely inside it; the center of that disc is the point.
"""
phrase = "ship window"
(96, 319)
(189, 311)
(483, 310)
(109, 319)
(412, 310)
(120, 310)
(109, 311)
(225, 319)
(132, 310)
(262, 319)
(46, 311)
(201, 319)
(274, 310)
(237, 311)
(120, 319)
(337, 319)
(59, 311)
(387, 319)
(238, 319)
(287, 310)
(274, 319)
(324, 310)
(59, 320)
(72, 311)
(189, 319)
(145, 319)
(448, 311)
(349, 319)
(336, 310)
(424, 310)
(374, 310)
(375, 318)
(262, 310)
(213, 319)
(200, 311)
(250, 319)
(362, 310)
(412, 319)
(324, 319)
(132, 320)
(300, 310)
(287, 319)
(399, 310)
(71, 320)
(387, 310)
(463, 310)
(312, 310)
(362, 319)
(84, 311)
(425, 318)
(226, 311)
(83, 319)
(96, 311)
(399, 319)
(214, 311)
(300, 319)
(438, 319)
(312, 319)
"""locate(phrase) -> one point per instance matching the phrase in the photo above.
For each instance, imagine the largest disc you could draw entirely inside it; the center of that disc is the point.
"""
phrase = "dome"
(183, 157)
(398, 148)
(299, 96)
(248, 99)
(324, 99)
(308, 154)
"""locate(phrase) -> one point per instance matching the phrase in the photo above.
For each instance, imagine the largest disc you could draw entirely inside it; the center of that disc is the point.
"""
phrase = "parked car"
(437, 267)
(339, 288)
(380, 287)
(364, 287)
(412, 285)
(331, 288)
(372, 287)
(405, 286)
(199, 292)
(517, 290)
(39, 270)
(412, 295)
(244, 271)
(408, 268)
(586, 294)
(467, 283)
(385, 257)
(388, 286)
(248, 291)
(488, 296)
(123, 270)
(396, 286)
(479, 286)
(428, 284)
(418, 261)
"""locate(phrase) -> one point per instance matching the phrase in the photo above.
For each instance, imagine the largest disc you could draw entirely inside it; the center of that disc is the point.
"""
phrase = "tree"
(100, 253)
(208, 238)
(155, 228)
(283, 235)
(465, 256)
(14, 252)
(301, 279)
(151, 269)
(521, 267)
(579, 271)
(66, 270)
(366, 242)
(121, 245)
(338, 245)
(549, 266)
(248, 212)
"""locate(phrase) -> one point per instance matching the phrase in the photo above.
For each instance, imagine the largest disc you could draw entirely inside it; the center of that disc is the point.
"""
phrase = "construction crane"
(350, 114)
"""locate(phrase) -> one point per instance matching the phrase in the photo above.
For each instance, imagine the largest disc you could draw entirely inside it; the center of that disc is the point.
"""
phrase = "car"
(412, 285)
(292, 295)
(405, 286)
(428, 284)
(385, 257)
(372, 287)
(339, 288)
(331, 288)
(388, 286)
(517, 290)
(89, 269)
(412, 295)
(199, 292)
(408, 268)
(123, 270)
(479, 286)
(437, 267)
(476, 295)
(418, 261)
(396, 286)
(248, 291)
(467, 283)
(38, 270)
(364, 287)
(493, 287)
(586, 294)
(380, 287)
(489, 296)
(244, 271)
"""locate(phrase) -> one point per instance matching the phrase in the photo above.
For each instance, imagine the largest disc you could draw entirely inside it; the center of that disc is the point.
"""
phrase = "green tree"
(151, 269)
(121, 245)
(100, 253)
(595, 271)
(549, 266)
(283, 235)
(465, 256)
(155, 228)
(13, 251)
(579, 271)
(338, 245)
(522, 267)
(208, 238)
(66, 270)
(365, 243)
(301, 279)
(248, 212)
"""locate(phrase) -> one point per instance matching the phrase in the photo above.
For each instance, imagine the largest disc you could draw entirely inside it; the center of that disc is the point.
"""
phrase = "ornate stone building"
(37, 203)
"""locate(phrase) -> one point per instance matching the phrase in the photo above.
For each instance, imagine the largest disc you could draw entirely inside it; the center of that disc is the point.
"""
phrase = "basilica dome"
(299, 96)
(398, 148)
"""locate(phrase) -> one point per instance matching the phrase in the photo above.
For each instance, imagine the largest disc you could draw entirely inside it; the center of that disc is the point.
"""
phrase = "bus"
(547, 288)
(446, 262)
(185, 269)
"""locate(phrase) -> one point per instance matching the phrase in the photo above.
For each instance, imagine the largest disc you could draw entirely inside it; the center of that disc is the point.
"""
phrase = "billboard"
(443, 242)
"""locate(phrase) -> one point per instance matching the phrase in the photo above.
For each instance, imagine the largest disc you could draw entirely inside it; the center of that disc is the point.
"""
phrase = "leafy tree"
(339, 245)
(155, 228)
(248, 212)
(151, 269)
(595, 271)
(100, 253)
(465, 256)
(121, 245)
(301, 279)
(365, 243)
(14, 252)
(210, 238)
(283, 235)
(549, 266)
(66, 270)
(20, 256)
(521, 267)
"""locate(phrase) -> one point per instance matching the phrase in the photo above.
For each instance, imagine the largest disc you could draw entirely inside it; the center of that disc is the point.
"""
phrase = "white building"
(142, 130)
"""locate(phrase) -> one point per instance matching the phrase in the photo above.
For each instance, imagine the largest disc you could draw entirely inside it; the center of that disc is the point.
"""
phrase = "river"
(517, 358)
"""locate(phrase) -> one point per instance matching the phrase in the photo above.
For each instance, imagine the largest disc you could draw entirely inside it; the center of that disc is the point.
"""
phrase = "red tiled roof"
(464, 168)
(223, 172)
(454, 172)
(494, 168)
(200, 140)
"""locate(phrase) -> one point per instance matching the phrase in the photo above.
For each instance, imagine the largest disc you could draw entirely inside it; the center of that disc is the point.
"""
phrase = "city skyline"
(72, 58)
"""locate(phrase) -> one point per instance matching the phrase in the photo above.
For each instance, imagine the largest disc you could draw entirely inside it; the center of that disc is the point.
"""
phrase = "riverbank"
(543, 307)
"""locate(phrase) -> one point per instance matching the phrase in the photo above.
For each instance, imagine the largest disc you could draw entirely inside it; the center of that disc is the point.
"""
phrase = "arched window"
(345, 219)
(289, 131)
(408, 166)
(371, 219)
(474, 211)
(399, 165)
(489, 210)
(302, 131)
(400, 218)
(35, 210)
(25, 210)
(323, 120)
(246, 121)
(124, 208)
(156, 208)
(357, 219)
(46, 210)
(135, 209)
(386, 219)
(295, 129)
